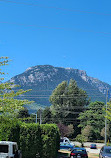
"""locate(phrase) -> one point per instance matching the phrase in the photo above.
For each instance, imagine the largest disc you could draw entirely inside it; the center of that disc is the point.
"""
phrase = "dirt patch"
(90, 155)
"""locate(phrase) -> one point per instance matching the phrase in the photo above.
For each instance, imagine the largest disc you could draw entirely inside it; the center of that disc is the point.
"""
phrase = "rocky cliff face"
(43, 79)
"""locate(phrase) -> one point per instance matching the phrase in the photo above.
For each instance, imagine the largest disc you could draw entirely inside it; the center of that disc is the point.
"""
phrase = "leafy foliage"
(70, 130)
(80, 138)
(67, 103)
(51, 140)
(23, 113)
(108, 132)
(87, 132)
(108, 111)
(47, 115)
(32, 138)
(9, 128)
(3, 61)
(66, 130)
(93, 117)
(8, 101)
(63, 129)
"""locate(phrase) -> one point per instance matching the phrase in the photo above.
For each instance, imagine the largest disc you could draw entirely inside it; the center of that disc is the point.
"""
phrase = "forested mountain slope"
(43, 79)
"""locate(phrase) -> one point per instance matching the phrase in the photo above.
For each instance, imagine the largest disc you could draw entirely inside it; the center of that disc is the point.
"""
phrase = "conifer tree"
(68, 101)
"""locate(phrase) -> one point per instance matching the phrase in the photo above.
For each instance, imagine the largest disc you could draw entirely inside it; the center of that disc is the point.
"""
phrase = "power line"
(54, 28)
(53, 7)
(66, 96)
(63, 90)
(60, 97)
(62, 119)
(48, 97)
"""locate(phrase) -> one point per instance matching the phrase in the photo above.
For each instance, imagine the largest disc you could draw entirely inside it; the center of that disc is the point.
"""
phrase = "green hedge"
(51, 140)
(33, 139)
(30, 140)
(9, 129)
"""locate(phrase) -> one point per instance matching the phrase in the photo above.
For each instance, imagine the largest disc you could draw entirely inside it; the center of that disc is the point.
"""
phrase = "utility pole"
(36, 118)
(40, 117)
(106, 119)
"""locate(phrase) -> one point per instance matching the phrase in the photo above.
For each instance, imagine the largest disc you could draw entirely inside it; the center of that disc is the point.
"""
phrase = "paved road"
(87, 144)
(96, 151)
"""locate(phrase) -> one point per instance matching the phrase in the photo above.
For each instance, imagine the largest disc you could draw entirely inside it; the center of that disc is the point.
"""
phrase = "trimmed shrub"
(30, 140)
(34, 140)
(39, 141)
(50, 140)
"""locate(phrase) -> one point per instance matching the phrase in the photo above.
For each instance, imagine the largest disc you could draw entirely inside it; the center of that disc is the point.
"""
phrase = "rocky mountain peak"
(43, 79)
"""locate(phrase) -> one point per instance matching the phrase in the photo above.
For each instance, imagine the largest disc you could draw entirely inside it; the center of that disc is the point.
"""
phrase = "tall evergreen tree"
(47, 115)
(68, 100)
(93, 117)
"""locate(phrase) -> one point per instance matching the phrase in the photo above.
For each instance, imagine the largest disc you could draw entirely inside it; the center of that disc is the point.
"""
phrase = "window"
(79, 151)
(61, 140)
(66, 140)
(3, 148)
(108, 151)
(14, 149)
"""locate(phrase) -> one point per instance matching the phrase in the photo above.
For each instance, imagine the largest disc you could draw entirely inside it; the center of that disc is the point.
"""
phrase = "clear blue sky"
(63, 33)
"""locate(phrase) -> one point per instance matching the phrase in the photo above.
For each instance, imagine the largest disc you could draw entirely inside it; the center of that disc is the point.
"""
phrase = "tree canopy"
(68, 100)
(92, 120)
(108, 112)
(8, 97)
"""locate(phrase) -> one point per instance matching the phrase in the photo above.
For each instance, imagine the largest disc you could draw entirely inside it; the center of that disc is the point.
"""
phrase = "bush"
(51, 140)
(32, 138)
(9, 129)
(80, 138)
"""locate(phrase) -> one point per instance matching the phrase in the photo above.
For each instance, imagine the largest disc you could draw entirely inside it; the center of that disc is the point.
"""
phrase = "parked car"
(79, 153)
(93, 146)
(65, 140)
(105, 152)
(66, 146)
(9, 149)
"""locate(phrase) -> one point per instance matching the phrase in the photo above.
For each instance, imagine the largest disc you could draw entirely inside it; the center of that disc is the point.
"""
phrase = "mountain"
(43, 79)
